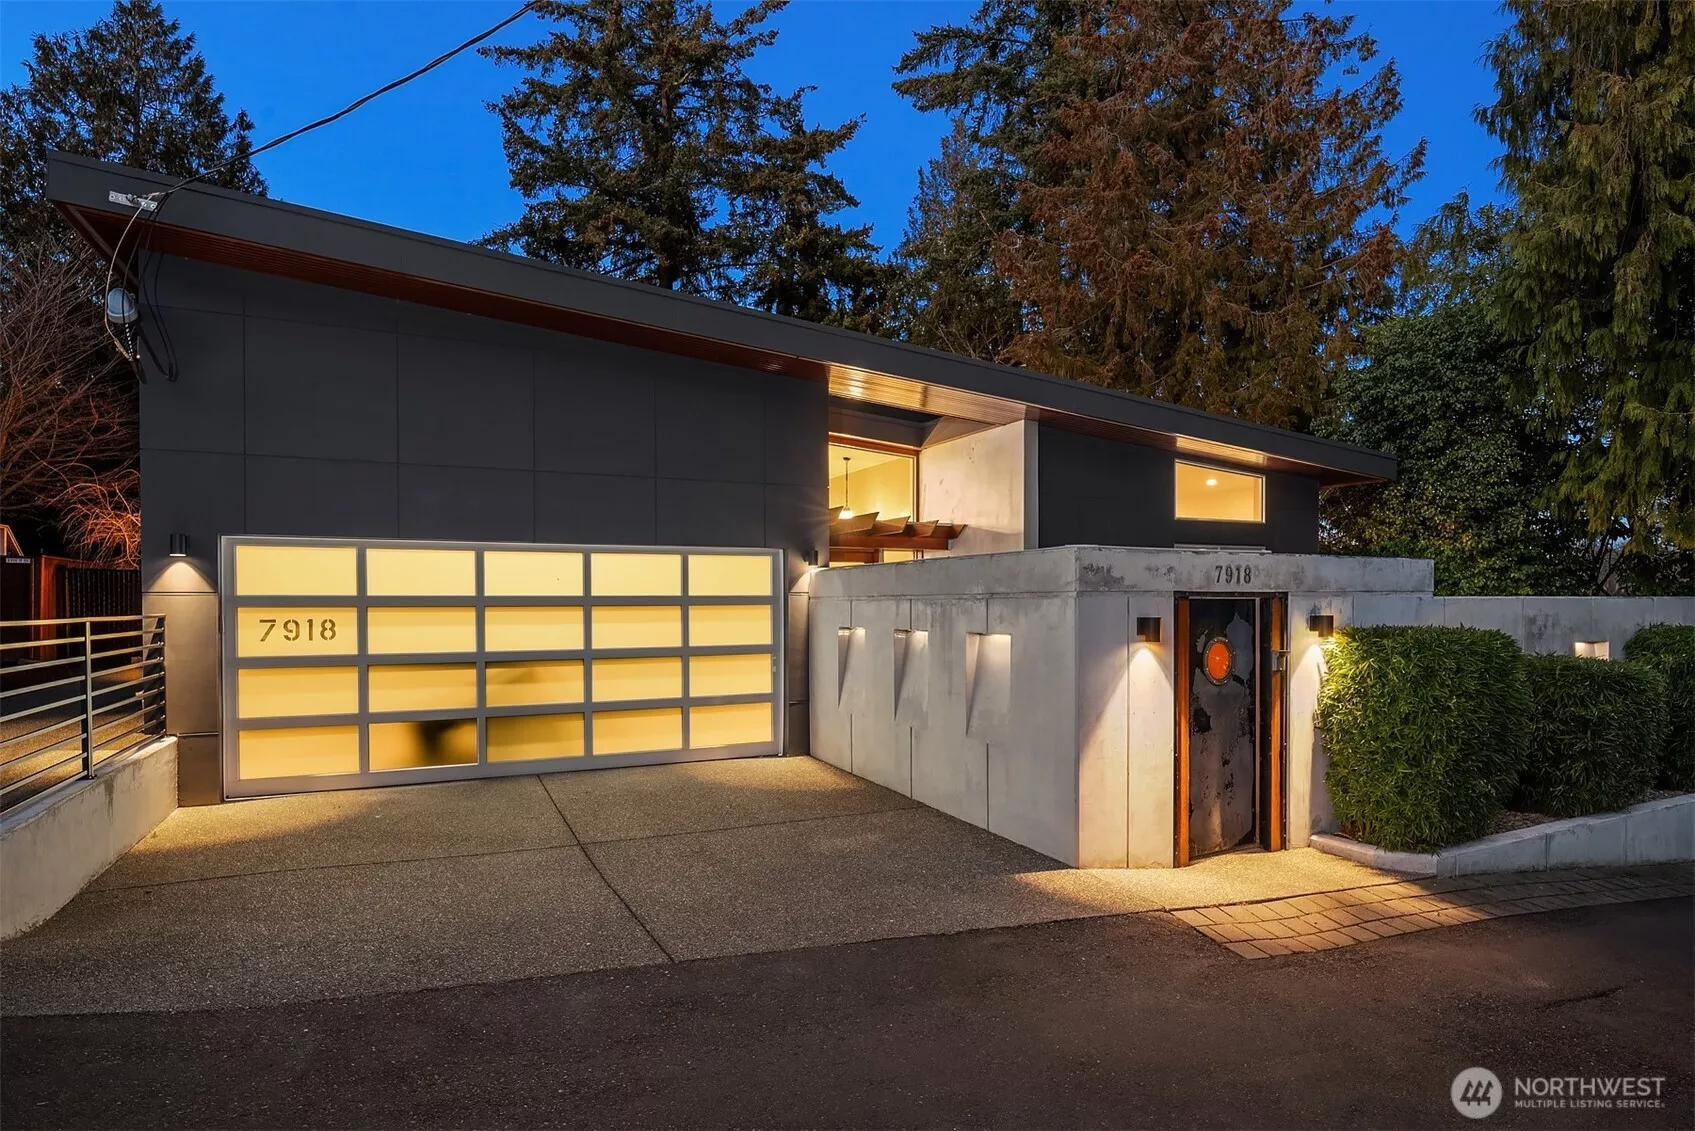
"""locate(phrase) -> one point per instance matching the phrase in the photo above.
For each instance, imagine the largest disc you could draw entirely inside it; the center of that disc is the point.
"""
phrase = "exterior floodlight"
(179, 545)
(1323, 625)
(120, 307)
(1147, 630)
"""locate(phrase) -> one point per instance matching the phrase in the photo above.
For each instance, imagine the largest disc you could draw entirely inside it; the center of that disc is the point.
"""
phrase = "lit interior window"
(866, 482)
(1211, 494)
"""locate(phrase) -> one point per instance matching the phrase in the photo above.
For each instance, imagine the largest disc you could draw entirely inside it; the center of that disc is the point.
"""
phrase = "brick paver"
(1310, 923)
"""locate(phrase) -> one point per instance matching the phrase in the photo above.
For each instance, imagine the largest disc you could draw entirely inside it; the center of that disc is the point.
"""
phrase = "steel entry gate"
(351, 663)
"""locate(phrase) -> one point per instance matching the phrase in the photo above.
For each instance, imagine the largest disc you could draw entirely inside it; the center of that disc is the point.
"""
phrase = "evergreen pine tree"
(802, 265)
(998, 80)
(1596, 109)
(644, 151)
(131, 88)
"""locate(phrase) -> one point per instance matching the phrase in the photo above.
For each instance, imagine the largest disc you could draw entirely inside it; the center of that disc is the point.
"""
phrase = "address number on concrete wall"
(1233, 574)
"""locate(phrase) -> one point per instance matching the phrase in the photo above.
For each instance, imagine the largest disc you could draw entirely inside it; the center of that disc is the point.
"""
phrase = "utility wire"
(158, 198)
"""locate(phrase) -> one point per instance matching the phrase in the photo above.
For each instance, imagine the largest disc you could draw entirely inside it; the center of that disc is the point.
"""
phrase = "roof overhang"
(257, 234)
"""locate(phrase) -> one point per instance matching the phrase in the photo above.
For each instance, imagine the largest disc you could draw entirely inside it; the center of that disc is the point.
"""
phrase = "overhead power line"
(152, 202)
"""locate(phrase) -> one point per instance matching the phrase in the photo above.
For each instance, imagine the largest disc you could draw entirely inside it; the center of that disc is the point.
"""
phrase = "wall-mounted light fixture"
(1322, 625)
(1594, 649)
(179, 545)
(1147, 630)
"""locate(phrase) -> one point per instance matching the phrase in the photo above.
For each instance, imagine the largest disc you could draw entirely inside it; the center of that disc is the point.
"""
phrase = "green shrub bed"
(1596, 732)
(1670, 650)
(1424, 728)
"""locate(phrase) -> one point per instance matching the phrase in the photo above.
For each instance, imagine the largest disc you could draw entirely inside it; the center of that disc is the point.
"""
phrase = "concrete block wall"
(1009, 689)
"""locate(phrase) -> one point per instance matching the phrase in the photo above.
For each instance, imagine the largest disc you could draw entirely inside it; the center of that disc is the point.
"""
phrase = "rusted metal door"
(1220, 716)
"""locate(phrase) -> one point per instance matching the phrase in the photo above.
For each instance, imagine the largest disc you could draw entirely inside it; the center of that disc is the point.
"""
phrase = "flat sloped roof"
(269, 236)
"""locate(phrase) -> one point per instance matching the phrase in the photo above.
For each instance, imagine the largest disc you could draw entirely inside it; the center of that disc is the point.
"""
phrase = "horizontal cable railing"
(73, 693)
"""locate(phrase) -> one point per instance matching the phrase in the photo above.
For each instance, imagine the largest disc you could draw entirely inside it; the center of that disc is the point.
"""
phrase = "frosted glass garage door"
(353, 663)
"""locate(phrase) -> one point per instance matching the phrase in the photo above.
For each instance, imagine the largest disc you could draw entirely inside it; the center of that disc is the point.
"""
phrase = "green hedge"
(1670, 650)
(1596, 732)
(1424, 730)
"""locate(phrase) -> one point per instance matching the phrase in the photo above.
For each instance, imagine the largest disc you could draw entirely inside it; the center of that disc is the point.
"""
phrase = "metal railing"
(87, 689)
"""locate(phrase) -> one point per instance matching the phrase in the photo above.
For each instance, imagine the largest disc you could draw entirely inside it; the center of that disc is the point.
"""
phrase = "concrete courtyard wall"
(1008, 690)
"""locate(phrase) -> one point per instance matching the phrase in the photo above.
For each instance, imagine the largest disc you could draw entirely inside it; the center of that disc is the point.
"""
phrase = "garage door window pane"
(729, 624)
(730, 675)
(637, 626)
(633, 732)
(656, 678)
(729, 575)
(537, 683)
(530, 738)
(425, 629)
(420, 745)
(423, 687)
(420, 573)
(731, 724)
(274, 693)
(532, 573)
(296, 571)
(636, 575)
(533, 628)
(285, 631)
(298, 752)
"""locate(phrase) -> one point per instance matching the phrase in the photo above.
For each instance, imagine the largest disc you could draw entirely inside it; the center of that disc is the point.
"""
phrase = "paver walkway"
(1378, 911)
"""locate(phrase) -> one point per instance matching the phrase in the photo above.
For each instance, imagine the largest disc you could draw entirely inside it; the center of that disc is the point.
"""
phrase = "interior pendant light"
(847, 511)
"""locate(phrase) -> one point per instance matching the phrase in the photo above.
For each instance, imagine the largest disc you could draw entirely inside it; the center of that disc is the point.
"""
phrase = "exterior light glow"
(1594, 649)
(1212, 481)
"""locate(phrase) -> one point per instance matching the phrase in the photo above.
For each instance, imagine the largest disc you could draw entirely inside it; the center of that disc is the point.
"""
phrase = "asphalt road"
(1123, 1022)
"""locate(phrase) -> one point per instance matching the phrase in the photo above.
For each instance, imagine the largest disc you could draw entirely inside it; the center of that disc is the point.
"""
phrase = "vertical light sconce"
(1147, 630)
(1322, 625)
(179, 545)
(1594, 649)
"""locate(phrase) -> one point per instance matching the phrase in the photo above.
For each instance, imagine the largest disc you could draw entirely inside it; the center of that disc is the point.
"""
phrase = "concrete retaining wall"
(1655, 832)
(51, 848)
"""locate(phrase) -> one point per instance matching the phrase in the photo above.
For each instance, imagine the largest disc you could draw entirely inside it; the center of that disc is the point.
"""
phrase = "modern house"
(420, 511)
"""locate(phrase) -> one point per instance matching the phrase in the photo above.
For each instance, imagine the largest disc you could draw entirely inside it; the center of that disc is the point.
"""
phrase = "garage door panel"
(373, 662)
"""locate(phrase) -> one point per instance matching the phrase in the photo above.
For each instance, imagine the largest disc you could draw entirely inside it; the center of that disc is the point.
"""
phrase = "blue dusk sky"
(428, 157)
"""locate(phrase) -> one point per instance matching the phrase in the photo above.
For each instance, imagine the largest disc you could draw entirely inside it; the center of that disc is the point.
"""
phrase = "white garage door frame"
(233, 724)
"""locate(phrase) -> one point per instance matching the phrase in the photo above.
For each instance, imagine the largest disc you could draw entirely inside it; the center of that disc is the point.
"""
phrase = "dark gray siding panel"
(194, 493)
(711, 425)
(796, 415)
(594, 411)
(697, 512)
(322, 498)
(271, 296)
(1291, 503)
(1098, 492)
(605, 509)
(323, 392)
(201, 411)
(470, 503)
(465, 404)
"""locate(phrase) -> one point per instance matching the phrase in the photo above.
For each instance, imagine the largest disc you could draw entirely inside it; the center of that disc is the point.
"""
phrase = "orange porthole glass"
(1217, 660)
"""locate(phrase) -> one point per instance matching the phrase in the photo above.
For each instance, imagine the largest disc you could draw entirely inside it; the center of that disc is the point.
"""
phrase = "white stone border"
(1654, 832)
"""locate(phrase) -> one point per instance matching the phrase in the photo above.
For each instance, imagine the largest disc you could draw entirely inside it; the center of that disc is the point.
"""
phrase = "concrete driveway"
(366, 891)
